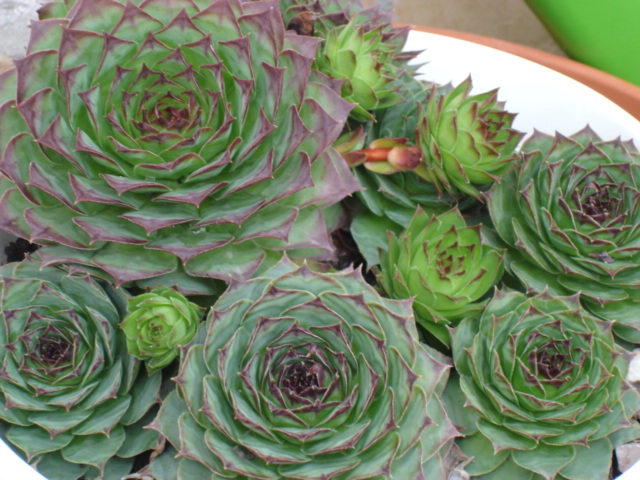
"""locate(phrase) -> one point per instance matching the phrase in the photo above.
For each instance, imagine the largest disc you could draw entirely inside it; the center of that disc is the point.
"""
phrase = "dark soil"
(347, 254)
(18, 250)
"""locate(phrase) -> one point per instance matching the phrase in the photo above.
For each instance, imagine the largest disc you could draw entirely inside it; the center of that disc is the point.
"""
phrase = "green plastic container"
(602, 33)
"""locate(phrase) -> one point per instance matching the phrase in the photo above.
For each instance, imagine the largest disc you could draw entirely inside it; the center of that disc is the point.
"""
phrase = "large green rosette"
(183, 138)
(541, 390)
(571, 219)
(72, 399)
(301, 375)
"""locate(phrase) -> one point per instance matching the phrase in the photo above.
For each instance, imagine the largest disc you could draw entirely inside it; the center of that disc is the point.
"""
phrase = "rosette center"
(303, 379)
(53, 350)
(553, 361)
(449, 264)
(599, 203)
(168, 113)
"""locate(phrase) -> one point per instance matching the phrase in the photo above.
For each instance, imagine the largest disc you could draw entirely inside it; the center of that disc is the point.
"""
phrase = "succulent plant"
(71, 399)
(361, 48)
(445, 265)
(541, 391)
(158, 323)
(194, 138)
(571, 217)
(359, 55)
(467, 139)
(392, 190)
(308, 375)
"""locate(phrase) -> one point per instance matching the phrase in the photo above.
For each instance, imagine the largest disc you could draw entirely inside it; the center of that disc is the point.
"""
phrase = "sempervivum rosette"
(388, 203)
(445, 265)
(360, 56)
(71, 398)
(571, 216)
(360, 47)
(467, 139)
(544, 391)
(307, 375)
(187, 135)
(158, 323)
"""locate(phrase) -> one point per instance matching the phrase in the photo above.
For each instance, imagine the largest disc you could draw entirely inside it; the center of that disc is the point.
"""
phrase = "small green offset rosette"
(541, 391)
(445, 265)
(467, 139)
(158, 323)
(361, 57)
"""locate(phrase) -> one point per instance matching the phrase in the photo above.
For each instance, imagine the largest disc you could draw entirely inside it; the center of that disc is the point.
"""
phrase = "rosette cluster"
(543, 387)
(193, 136)
(445, 265)
(71, 398)
(467, 139)
(571, 217)
(308, 375)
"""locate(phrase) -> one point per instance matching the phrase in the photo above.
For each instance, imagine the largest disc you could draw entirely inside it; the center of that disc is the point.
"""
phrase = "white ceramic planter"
(544, 99)
(13, 468)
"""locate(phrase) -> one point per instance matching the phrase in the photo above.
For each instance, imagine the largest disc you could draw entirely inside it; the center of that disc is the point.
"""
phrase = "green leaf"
(61, 421)
(370, 234)
(14, 416)
(327, 467)
(116, 468)
(576, 433)
(138, 438)
(54, 467)
(94, 450)
(546, 460)
(166, 421)
(485, 459)
(34, 441)
(190, 470)
(231, 261)
(104, 417)
(412, 461)
(341, 440)
(590, 463)
(165, 466)
(116, 260)
(453, 398)
(144, 393)
(19, 398)
(502, 438)
(441, 432)
(507, 470)
(194, 442)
